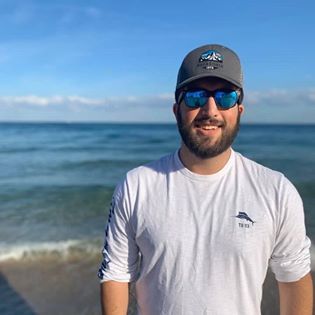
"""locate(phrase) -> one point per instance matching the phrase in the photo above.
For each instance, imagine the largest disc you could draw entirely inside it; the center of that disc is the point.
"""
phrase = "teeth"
(209, 127)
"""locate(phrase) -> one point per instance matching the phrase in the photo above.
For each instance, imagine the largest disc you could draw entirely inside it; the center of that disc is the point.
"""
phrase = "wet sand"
(50, 287)
(59, 286)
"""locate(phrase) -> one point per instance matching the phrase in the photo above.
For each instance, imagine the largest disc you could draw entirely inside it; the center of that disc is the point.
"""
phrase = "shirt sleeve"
(290, 260)
(120, 252)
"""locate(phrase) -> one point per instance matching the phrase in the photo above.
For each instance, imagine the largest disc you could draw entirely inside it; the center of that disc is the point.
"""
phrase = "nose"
(210, 108)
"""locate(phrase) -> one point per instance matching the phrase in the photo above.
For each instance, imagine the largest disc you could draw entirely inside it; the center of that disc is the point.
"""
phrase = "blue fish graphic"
(244, 216)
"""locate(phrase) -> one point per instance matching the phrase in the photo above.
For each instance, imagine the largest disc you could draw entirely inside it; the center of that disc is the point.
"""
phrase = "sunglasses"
(224, 98)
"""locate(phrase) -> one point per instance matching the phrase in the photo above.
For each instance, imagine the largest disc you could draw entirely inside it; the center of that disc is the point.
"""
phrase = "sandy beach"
(60, 286)
(50, 286)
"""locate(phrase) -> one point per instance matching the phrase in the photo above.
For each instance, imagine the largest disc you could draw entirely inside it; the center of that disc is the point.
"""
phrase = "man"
(197, 230)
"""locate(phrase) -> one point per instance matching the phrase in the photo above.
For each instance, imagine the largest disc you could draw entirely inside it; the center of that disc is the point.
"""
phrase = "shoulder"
(156, 168)
(143, 181)
(255, 168)
(149, 173)
(270, 186)
(262, 175)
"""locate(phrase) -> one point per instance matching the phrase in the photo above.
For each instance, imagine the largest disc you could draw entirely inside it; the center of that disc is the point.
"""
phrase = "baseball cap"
(207, 61)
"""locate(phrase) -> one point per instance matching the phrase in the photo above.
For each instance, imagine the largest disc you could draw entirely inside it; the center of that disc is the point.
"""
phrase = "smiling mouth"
(208, 126)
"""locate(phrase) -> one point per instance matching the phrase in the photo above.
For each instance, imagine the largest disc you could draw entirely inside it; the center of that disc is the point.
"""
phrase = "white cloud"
(32, 100)
(312, 96)
(281, 97)
(80, 101)
(280, 105)
(270, 106)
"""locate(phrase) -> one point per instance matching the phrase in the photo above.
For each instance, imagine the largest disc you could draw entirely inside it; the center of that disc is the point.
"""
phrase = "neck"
(203, 166)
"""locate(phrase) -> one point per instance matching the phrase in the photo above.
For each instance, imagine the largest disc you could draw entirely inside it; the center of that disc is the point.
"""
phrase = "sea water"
(56, 180)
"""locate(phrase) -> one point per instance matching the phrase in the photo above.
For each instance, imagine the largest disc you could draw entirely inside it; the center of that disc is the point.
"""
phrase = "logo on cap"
(211, 55)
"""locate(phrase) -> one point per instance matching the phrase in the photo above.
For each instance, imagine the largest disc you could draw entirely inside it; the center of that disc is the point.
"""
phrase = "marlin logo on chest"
(244, 216)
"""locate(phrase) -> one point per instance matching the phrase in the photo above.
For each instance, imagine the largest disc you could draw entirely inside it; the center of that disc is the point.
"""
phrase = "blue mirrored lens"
(226, 99)
(196, 99)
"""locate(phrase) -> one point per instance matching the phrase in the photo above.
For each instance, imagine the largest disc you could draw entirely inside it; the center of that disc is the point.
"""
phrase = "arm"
(291, 259)
(120, 255)
(296, 298)
(114, 298)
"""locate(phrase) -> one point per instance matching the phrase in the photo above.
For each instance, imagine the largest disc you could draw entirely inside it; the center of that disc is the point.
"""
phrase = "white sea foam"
(66, 248)
(61, 249)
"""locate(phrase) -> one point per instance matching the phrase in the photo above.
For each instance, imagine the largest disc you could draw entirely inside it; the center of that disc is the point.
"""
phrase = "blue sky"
(76, 60)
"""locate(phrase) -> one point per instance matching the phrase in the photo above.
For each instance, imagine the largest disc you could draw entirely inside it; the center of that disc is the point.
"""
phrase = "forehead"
(210, 84)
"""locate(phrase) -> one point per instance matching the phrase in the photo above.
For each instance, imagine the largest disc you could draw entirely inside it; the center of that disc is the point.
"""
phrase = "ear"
(241, 109)
(175, 109)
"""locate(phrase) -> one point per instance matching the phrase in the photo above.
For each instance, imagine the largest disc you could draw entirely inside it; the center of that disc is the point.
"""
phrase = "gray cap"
(210, 61)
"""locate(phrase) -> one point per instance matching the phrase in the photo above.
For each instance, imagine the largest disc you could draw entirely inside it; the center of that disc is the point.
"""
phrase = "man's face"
(208, 131)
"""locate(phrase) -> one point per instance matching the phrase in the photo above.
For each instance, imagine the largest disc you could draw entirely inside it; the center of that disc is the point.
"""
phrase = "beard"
(201, 145)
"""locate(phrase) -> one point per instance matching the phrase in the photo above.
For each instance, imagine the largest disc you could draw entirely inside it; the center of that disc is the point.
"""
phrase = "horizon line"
(140, 123)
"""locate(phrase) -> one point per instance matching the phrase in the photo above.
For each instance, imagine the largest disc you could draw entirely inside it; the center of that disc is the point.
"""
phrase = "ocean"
(56, 182)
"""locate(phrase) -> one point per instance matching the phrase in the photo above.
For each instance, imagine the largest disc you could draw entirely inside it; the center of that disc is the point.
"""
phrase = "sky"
(117, 61)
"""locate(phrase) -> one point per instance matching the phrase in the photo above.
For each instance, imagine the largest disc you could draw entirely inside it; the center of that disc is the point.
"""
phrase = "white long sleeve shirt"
(201, 244)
